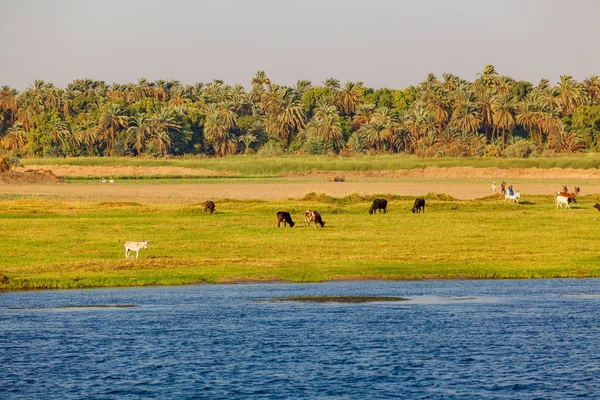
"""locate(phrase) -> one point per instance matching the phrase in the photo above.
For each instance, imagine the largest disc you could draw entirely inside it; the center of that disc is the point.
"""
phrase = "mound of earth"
(29, 176)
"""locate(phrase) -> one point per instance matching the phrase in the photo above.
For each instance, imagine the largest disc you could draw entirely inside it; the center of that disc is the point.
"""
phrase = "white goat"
(135, 246)
(111, 180)
(103, 180)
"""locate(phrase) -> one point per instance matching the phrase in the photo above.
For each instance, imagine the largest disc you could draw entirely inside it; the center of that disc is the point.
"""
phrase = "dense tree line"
(492, 116)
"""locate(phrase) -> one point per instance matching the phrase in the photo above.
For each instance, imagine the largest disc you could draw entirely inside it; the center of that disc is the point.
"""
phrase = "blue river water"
(457, 339)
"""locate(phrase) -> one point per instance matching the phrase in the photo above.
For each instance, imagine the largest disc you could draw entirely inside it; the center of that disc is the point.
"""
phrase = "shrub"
(317, 146)
(271, 148)
(520, 149)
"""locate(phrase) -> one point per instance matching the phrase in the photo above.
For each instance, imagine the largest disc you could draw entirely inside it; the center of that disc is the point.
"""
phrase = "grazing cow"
(419, 205)
(563, 200)
(209, 206)
(313, 216)
(378, 204)
(571, 196)
(135, 246)
(285, 217)
(597, 206)
(339, 179)
(493, 188)
(515, 197)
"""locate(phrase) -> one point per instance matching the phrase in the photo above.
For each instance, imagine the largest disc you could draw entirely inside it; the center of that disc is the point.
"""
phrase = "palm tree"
(465, 114)
(488, 79)
(569, 92)
(59, 132)
(349, 97)
(364, 112)
(484, 103)
(16, 137)
(592, 90)
(284, 112)
(30, 106)
(216, 131)
(431, 82)
(325, 125)
(418, 121)
(109, 121)
(302, 86)
(247, 140)
(381, 128)
(139, 131)
(504, 108)
(528, 115)
(162, 141)
(87, 132)
(438, 103)
(9, 102)
(332, 83)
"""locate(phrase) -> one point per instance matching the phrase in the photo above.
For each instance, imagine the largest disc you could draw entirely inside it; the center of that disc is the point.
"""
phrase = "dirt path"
(429, 172)
(413, 182)
(194, 193)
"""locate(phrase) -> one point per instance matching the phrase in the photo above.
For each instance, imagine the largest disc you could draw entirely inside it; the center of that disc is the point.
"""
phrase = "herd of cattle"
(313, 217)
(563, 198)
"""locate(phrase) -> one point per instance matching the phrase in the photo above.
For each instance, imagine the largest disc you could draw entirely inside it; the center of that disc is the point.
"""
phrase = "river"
(483, 339)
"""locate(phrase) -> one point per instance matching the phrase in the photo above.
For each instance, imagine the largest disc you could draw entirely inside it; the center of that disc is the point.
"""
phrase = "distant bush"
(520, 149)
(317, 146)
(270, 149)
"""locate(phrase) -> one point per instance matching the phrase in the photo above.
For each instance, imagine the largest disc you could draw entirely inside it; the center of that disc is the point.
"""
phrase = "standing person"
(493, 188)
(503, 187)
(511, 191)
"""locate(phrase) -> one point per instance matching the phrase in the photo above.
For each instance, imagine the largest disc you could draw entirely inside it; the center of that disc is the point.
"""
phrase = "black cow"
(285, 217)
(597, 206)
(209, 206)
(419, 205)
(378, 204)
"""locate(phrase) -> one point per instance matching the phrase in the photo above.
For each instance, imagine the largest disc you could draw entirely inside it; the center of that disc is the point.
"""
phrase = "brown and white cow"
(571, 196)
(313, 216)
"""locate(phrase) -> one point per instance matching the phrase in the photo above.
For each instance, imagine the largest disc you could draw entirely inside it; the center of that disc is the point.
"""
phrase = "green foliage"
(587, 119)
(8, 161)
(404, 99)
(313, 96)
(520, 149)
(91, 118)
(317, 146)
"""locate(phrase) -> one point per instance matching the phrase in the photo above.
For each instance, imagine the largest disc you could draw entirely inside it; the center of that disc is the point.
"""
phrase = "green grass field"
(74, 245)
(257, 165)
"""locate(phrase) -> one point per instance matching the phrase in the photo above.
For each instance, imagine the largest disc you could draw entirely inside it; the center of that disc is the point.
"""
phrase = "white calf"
(560, 200)
(103, 180)
(111, 180)
(135, 246)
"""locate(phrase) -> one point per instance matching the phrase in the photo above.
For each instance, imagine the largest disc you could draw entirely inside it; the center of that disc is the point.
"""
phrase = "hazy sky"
(384, 43)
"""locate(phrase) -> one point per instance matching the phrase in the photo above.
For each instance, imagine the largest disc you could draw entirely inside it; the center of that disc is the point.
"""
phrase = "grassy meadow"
(261, 165)
(49, 244)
